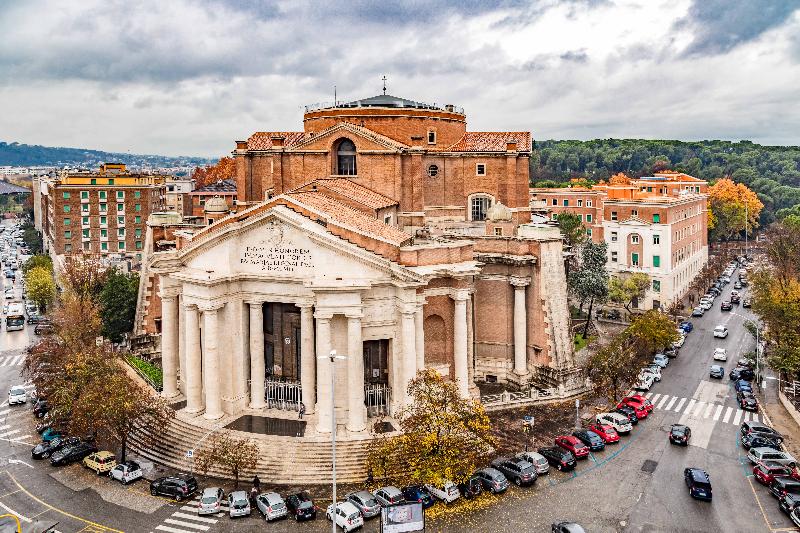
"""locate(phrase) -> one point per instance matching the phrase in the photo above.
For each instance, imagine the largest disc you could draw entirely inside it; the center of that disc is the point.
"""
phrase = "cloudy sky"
(183, 77)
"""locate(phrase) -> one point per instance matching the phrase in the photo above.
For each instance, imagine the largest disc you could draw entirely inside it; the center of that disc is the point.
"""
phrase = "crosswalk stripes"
(697, 408)
(11, 360)
(186, 519)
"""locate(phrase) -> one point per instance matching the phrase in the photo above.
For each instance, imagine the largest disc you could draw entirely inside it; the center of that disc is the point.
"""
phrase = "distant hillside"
(16, 154)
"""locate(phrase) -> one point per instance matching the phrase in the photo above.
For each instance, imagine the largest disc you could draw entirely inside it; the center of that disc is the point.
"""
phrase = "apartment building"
(225, 189)
(655, 224)
(98, 212)
(177, 197)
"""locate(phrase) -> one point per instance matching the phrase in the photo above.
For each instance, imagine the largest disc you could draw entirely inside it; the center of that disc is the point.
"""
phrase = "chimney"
(278, 141)
(511, 146)
(241, 145)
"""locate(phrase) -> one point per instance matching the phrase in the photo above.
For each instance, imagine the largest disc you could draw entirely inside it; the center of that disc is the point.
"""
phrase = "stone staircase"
(282, 460)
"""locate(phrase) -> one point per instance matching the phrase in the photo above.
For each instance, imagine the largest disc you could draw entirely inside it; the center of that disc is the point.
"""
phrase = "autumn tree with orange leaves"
(732, 208)
(619, 179)
(225, 168)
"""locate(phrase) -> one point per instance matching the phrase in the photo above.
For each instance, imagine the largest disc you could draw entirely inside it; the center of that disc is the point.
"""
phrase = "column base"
(256, 405)
(213, 416)
(171, 395)
(195, 411)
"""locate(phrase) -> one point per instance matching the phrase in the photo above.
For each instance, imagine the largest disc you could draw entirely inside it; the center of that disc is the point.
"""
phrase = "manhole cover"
(649, 466)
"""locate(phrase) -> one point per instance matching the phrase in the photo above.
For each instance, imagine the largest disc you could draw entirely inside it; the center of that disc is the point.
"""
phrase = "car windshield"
(305, 505)
(16, 391)
(209, 499)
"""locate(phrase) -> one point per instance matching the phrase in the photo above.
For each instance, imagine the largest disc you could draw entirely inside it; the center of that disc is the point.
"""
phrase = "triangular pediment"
(364, 138)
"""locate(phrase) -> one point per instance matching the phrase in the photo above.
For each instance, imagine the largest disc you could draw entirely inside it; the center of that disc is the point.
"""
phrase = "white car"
(655, 370)
(646, 381)
(348, 516)
(706, 304)
(720, 354)
(720, 332)
(17, 394)
(446, 492)
(619, 422)
(126, 472)
(9, 294)
(678, 343)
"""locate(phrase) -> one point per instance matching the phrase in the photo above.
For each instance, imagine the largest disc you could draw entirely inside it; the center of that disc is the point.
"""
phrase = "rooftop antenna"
(384, 84)
(334, 95)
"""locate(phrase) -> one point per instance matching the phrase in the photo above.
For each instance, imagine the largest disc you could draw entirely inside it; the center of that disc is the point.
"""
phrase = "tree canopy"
(223, 169)
(40, 286)
(118, 304)
(624, 290)
(733, 208)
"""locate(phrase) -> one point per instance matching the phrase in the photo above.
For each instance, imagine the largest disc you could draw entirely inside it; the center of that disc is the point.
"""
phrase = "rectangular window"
(84, 195)
(85, 234)
(102, 195)
(580, 203)
(553, 216)
(555, 201)
(656, 261)
(656, 239)
(104, 233)
(138, 245)
(121, 232)
(613, 215)
(498, 232)
(649, 189)
(85, 220)
(138, 232)
(580, 217)
(566, 203)
(480, 205)
(588, 217)
(635, 259)
(121, 245)
(104, 246)
(480, 169)
(120, 207)
(67, 221)
(431, 137)
(613, 236)
(589, 232)
(103, 220)
(103, 208)
(138, 219)
(138, 207)
(635, 239)
(656, 218)
(85, 208)
(66, 209)
(120, 195)
(67, 234)
(120, 221)
(93, 182)
(66, 196)
(68, 248)
(613, 257)
(588, 203)
(137, 194)
(111, 181)
(656, 286)
(634, 213)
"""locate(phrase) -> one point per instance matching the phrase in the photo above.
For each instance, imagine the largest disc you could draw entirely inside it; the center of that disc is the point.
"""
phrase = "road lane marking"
(189, 508)
(718, 412)
(648, 395)
(161, 527)
(654, 398)
(671, 402)
(708, 411)
(662, 401)
(698, 408)
(680, 404)
(195, 517)
(737, 417)
(6, 435)
(16, 360)
(728, 414)
(9, 510)
(191, 525)
(689, 407)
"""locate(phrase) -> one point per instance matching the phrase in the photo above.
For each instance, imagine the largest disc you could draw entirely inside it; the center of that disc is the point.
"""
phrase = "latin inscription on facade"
(278, 259)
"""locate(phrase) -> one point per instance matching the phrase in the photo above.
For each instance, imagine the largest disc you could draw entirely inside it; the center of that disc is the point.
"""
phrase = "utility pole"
(333, 357)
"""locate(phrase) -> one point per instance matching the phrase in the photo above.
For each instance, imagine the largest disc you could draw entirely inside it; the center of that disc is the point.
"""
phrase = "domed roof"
(216, 204)
(498, 212)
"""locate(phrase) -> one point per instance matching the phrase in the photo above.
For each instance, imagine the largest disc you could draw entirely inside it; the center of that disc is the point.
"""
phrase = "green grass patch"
(580, 342)
(151, 371)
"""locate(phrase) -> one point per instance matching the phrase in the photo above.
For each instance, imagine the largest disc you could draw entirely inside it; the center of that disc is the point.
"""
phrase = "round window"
(433, 170)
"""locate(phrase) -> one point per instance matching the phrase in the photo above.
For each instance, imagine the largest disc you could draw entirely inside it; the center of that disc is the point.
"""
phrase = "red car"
(642, 405)
(766, 472)
(573, 444)
(606, 432)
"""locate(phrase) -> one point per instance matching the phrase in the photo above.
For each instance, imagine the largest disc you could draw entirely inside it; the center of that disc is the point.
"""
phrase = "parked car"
(679, 434)
(661, 360)
(726, 305)
(591, 439)
(418, 493)
(346, 516)
(72, 453)
(672, 352)
(781, 486)
(698, 311)
(717, 372)
(739, 373)
(735, 299)
(720, 354)
(698, 482)
(686, 326)
(737, 285)
(759, 455)
(100, 462)
(493, 480)
(40, 408)
(766, 472)
(301, 507)
(17, 395)
(446, 492)
(746, 302)
(655, 370)
(628, 412)
(645, 381)
(640, 403)
(389, 496)
(759, 440)
(619, 422)
(746, 401)
(681, 339)
(43, 328)
(50, 434)
(606, 432)
(567, 527)
(271, 506)
(43, 450)
(789, 502)
(720, 332)
(179, 487)
(559, 457)
(365, 502)
(238, 504)
(742, 385)
(752, 426)
(537, 460)
(517, 470)
(210, 501)
(126, 472)
(472, 487)
(574, 445)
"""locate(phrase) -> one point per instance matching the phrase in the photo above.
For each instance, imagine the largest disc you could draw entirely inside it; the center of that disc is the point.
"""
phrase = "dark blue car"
(416, 493)
(686, 326)
(742, 385)
(590, 439)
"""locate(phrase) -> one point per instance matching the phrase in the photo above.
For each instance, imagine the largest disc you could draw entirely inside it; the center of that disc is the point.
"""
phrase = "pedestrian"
(257, 483)
(301, 411)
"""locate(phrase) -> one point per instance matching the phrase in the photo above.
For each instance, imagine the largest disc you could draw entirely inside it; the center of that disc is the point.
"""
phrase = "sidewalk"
(780, 419)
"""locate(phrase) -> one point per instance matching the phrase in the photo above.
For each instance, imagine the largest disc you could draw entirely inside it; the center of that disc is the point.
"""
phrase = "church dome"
(216, 204)
(498, 212)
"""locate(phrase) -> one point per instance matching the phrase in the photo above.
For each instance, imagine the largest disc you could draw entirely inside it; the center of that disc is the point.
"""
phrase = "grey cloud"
(720, 25)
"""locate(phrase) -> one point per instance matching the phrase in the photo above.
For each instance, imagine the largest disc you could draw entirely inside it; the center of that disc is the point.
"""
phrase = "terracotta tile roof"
(262, 140)
(354, 191)
(349, 217)
(228, 185)
(492, 141)
(361, 131)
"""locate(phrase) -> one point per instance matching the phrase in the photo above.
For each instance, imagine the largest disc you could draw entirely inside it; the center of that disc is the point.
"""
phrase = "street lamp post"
(333, 357)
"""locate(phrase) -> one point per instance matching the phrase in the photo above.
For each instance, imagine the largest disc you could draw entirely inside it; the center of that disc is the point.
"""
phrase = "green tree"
(40, 286)
(590, 280)
(612, 366)
(651, 331)
(31, 238)
(118, 304)
(38, 260)
(625, 290)
(571, 227)
(233, 455)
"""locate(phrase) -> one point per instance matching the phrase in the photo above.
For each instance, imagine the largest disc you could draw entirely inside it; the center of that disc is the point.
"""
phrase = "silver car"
(390, 495)
(365, 502)
(210, 501)
(238, 504)
(536, 459)
(271, 505)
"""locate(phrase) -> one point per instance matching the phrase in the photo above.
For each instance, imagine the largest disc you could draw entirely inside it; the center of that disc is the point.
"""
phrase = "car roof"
(390, 490)
(716, 367)
(238, 495)
(211, 491)
(274, 497)
(362, 494)
(767, 449)
(345, 506)
(698, 474)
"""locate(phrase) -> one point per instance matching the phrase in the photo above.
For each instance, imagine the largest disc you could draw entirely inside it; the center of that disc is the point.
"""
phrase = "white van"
(615, 420)
(448, 492)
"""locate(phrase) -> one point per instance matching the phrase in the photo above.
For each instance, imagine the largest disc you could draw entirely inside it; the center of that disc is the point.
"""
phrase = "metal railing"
(282, 393)
(378, 398)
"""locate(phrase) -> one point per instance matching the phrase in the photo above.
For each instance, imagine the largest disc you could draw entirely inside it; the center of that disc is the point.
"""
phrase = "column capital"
(210, 306)
(169, 293)
(461, 295)
(304, 304)
(354, 316)
(190, 306)
(254, 302)
(519, 282)
(323, 315)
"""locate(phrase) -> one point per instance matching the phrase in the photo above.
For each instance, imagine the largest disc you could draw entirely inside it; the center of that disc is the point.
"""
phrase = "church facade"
(384, 231)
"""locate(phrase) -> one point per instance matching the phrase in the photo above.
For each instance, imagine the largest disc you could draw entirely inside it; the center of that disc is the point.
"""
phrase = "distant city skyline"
(188, 78)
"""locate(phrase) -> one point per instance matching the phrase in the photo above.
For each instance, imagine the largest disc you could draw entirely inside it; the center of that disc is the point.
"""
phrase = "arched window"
(346, 158)
(479, 205)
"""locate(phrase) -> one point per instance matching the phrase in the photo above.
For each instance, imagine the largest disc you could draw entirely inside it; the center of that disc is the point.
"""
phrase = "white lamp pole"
(333, 357)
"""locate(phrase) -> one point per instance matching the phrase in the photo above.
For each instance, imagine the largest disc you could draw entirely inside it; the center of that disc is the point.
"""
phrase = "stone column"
(356, 410)
(409, 347)
(257, 370)
(194, 363)
(419, 334)
(323, 372)
(460, 342)
(211, 378)
(308, 364)
(520, 326)
(169, 345)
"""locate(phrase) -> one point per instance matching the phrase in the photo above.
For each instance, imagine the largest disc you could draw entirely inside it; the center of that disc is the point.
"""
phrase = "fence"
(507, 399)
(378, 397)
(283, 393)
